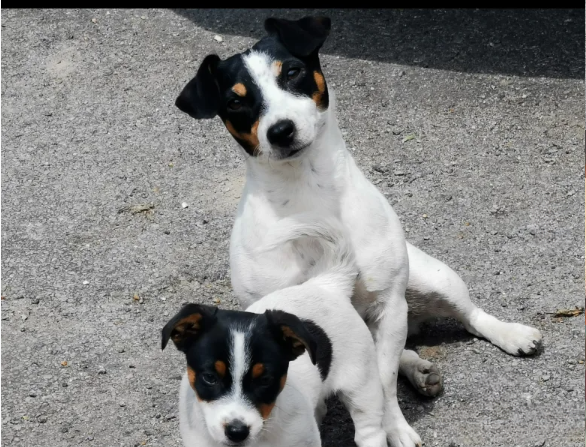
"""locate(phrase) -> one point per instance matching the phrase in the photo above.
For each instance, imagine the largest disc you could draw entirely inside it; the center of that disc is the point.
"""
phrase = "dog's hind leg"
(435, 290)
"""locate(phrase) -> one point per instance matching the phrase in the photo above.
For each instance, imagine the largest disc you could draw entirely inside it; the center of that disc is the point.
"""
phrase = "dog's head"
(273, 97)
(237, 364)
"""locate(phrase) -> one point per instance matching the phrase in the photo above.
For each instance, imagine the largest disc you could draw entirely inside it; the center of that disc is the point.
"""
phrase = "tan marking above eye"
(239, 89)
(220, 368)
(257, 370)
(277, 66)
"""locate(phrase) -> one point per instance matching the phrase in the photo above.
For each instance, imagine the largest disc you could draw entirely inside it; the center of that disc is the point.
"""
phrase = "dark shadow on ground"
(529, 42)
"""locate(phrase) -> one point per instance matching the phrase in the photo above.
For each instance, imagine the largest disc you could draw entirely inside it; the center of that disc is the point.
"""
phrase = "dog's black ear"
(200, 98)
(292, 334)
(301, 37)
(188, 324)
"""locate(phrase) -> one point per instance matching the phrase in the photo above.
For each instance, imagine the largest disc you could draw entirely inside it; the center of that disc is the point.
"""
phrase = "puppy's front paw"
(400, 434)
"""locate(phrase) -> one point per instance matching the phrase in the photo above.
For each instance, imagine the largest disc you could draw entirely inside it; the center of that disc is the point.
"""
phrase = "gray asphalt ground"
(470, 122)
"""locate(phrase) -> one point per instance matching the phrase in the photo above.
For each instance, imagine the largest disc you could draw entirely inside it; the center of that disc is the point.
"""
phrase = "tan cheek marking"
(251, 138)
(239, 89)
(265, 410)
(220, 368)
(283, 381)
(277, 67)
(191, 378)
(257, 370)
(321, 88)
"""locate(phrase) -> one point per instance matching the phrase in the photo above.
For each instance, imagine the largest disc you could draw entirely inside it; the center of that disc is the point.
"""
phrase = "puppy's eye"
(265, 380)
(209, 379)
(235, 104)
(293, 73)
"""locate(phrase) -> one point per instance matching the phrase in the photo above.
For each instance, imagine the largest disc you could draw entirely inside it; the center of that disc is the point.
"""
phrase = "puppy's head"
(237, 364)
(273, 97)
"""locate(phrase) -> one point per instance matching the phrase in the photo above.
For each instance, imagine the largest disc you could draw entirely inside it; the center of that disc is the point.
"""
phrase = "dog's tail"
(336, 264)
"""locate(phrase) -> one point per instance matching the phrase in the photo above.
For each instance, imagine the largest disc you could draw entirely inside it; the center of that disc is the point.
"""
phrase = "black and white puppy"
(274, 100)
(247, 380)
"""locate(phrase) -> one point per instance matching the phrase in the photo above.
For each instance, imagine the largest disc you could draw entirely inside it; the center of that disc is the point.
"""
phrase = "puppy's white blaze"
(239, 362)
(279, 104)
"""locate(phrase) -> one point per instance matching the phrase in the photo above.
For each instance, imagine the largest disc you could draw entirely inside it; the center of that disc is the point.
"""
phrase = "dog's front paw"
(400, 434)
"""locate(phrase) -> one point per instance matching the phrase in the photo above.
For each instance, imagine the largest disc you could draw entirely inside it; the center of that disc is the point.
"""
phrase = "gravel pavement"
(117, 208)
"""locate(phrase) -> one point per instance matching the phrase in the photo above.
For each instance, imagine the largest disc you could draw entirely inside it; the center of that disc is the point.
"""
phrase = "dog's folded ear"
(188, 324)
(292, 334)
(301, 37)
(200, 98)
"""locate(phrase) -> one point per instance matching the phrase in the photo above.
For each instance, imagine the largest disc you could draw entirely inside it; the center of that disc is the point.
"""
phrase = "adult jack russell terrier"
(274, 100)
(242, 386)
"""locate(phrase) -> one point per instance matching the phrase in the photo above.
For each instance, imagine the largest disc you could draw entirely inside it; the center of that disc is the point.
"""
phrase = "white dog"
(240, 388)
(275, 101)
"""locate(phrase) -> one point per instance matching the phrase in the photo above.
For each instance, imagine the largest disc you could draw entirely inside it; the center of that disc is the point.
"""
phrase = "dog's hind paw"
(427, 379)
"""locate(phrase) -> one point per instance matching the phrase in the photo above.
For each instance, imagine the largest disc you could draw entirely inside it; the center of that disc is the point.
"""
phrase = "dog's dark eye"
(209, 379)
(293, 73)
(265, 380)
(234, 104)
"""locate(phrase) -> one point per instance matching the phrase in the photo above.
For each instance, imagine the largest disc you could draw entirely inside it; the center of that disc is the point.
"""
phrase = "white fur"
(325, 299)
(324, 179)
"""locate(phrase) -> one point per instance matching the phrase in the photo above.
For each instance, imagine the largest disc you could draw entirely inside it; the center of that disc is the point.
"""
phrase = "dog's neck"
(321, 158)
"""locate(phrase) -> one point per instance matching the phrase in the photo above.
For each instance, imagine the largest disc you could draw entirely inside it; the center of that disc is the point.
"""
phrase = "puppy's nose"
(236, 431)
(281, 133)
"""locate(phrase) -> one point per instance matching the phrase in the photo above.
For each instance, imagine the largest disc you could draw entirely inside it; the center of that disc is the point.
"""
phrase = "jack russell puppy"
(248, 380)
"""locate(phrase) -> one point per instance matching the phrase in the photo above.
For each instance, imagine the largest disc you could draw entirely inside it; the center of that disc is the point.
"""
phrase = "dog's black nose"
(236, 431)
(281, 133)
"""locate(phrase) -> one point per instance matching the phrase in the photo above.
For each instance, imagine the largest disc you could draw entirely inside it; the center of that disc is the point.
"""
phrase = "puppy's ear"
(200, 98)
(188, 324)
(292, 334)
(301, 37)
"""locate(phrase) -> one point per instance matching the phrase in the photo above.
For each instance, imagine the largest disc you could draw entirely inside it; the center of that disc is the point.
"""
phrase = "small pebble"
(184, 204)
(218, 38)
(35, 301)
(102, 371)
(85, 283)
(546, 377)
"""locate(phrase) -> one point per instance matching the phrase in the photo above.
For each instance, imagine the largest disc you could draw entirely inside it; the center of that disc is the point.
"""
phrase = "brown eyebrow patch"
(318, 97)
(239, 89)
(250, 138)
(257, 370)
(220, 368)
(277, 66)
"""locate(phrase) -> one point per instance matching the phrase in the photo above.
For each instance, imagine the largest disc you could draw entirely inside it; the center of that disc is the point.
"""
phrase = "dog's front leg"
(389, 329)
